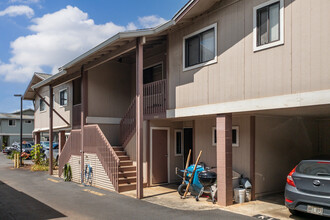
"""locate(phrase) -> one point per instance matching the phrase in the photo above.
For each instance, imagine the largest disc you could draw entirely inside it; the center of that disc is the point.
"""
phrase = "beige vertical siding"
(109, 90)
(300, 65)
(42, 118)
(75, 168)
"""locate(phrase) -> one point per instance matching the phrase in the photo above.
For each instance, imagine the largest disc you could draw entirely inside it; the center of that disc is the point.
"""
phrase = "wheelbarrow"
(204, 181)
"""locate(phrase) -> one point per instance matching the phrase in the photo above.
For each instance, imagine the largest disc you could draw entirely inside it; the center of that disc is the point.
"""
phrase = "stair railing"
(72, 147)
(96, 142)
(127, 124)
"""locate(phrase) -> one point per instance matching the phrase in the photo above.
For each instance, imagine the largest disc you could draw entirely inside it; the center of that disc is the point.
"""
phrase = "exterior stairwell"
(126, 171)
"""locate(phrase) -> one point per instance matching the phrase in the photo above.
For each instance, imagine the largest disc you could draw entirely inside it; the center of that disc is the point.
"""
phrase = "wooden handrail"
(127, 124)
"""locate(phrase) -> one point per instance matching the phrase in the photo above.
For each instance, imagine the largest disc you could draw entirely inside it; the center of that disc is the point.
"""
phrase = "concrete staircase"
(127, 172)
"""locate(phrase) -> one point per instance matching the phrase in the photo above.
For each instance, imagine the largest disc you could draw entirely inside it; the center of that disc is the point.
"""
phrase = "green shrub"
(36, 154)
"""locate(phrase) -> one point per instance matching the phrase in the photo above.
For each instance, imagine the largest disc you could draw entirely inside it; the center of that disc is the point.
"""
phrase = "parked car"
(55, 152)
(9, 149)
(26, 147)
(308, 187)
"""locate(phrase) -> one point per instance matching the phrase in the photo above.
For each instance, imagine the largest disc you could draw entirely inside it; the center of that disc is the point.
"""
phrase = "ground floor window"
(178, 135)
(235, 136)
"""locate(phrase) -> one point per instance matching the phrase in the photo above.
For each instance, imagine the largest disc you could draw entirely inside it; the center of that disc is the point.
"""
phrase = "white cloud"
(58, 38)
(151, 21)
(24, 1)
(16, 10)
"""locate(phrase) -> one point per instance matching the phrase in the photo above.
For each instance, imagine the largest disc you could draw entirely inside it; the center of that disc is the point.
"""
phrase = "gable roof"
(36, 78)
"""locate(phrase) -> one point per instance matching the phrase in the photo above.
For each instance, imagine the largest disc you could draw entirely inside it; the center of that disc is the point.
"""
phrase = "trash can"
(248, 195)
(239, 195)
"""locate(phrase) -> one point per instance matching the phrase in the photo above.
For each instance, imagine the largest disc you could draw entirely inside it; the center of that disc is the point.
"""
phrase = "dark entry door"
(188, 143)
(159, 156)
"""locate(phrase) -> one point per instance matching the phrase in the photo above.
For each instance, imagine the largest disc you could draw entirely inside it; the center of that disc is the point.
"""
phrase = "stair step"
(125, 163)
(120, 153)
(117, 148)
(127, 174)
(124, 158)
(124, 169)
(127, 180)
(126, 187)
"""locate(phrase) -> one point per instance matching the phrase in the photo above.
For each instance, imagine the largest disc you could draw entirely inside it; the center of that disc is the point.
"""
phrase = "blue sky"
(42, 35)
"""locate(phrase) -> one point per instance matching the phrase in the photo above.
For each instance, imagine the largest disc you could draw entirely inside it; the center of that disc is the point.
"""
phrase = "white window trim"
(178, 131)
(273, 44)
(14, 122)
(59, 96)
(215, 60)
(41, 111)
(237, 135)
(233, 127)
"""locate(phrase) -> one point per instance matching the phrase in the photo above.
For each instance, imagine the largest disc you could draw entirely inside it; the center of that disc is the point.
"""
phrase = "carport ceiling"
(319, 112)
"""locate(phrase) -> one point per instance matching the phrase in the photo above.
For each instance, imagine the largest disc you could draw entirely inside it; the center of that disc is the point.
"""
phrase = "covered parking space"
(283, 138)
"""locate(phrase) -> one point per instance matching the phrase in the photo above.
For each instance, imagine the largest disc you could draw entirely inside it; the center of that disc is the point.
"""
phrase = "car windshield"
(26, 146)
(314, 168)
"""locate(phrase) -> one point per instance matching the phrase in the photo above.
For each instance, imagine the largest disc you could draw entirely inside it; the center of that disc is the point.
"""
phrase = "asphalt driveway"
(36, 195)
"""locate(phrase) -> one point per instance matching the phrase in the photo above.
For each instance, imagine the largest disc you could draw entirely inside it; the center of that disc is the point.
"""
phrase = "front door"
(159, 156)
(188, 144)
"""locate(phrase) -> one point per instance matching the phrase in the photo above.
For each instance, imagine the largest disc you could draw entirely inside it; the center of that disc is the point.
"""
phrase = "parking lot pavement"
(36, 195)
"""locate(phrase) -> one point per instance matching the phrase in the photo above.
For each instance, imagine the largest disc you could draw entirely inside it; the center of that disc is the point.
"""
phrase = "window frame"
(175, 147)
(255, 26)
(67, 98)
(28, 121)
(234, 127)
(215, 60)
(41, 100)
(13, 121)
(154, 65)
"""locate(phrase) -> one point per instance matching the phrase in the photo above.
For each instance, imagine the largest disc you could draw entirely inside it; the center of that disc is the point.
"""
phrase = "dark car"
(308, 187)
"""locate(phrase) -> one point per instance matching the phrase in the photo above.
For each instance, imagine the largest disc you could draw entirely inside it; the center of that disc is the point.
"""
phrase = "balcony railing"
(154, 99)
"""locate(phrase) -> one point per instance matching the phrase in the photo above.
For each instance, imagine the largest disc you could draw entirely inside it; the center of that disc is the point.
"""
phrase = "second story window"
(12, 123)
(28, 121)
(268, 24)
(63, 97)
(200, 48)
(42, 105)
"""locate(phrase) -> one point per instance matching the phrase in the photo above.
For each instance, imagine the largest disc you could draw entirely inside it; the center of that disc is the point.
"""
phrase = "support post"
(139, 116)
(37, 138)
(61, 138)
(51, 129)
(224, 159)
(84, 113)
(21, 133)
(252, 156)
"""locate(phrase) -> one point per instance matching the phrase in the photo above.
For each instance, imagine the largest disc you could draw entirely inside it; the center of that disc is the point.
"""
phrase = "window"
(200, 48)
(268, 25)
(63, 97)
(235, 136)
(42, 105)
(153, 74)
(12, 123)
(28, 121)
(178, 142)
(76, 91)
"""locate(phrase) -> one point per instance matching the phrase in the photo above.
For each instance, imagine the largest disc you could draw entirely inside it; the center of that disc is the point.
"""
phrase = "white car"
(55, 152)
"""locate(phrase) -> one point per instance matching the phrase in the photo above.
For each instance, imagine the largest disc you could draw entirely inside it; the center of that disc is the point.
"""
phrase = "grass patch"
(36, 167)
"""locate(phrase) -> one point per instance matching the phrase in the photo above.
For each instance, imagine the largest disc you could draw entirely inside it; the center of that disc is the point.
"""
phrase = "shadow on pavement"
(18, 205)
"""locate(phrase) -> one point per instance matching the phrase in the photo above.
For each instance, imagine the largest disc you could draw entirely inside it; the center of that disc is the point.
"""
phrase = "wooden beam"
(84, 113)
(252, 156)
(121, 50)
(66, 78)
(51, 130)
(58, 114)
(139, 117)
